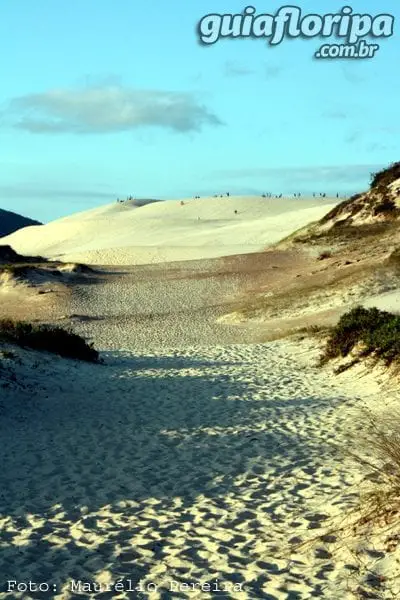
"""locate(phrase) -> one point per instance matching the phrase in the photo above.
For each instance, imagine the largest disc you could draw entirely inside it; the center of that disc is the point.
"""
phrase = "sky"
(104, 99)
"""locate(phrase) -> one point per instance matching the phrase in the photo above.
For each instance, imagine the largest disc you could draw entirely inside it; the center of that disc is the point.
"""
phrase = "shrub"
(386, 176)
(378, 330)
(50, 339)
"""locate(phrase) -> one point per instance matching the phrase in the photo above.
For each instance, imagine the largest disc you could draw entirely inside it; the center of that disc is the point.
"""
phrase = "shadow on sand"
(126, 436)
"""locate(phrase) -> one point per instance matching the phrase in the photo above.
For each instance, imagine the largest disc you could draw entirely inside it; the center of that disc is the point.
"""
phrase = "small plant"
(47, 338)
(325, 254)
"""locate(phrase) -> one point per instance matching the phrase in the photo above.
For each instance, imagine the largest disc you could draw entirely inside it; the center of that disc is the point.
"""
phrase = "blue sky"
(105, 98)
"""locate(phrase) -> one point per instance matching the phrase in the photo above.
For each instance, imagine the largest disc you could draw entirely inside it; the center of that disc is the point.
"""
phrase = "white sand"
(125, 233)
(178, 466)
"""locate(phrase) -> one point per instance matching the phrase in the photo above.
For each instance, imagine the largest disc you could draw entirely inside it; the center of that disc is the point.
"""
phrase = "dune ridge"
(136, 232)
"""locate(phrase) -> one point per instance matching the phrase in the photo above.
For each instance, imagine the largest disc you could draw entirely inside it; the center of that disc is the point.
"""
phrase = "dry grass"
(377, 515)
(382, 445)
(373, 521)
(318, 332)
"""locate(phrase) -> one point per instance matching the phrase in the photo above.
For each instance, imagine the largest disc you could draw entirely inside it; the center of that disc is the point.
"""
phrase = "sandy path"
(182, 465)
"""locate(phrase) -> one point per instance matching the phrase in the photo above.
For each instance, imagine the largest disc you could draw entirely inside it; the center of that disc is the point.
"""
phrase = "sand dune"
(191, 455)
(141, 233)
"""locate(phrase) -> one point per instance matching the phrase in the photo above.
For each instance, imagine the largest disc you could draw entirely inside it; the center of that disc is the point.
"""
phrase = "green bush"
(379, 332)
(50, 339)
(385, 340)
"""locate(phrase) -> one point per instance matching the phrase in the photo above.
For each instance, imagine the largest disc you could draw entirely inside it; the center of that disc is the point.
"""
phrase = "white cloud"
(106, 109)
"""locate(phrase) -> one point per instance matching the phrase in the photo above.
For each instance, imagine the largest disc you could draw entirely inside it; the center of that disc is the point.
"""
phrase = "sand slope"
(140, 233)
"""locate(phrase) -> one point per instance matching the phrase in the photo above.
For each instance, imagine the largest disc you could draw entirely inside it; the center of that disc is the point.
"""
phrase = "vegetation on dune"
(378, 331)
(387, 207)
(19, 270)
(23, 268)
(345, 233)
(340, 209)
(378, 198)
(47, 338)
(380, 183)
(380, 458)
(78, 267)
(381, 179)
(378, 445)
(9, 256)
(394, 258)
(325, 254)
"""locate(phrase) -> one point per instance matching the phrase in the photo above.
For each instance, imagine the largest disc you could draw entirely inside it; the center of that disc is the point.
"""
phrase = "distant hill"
(10, 222)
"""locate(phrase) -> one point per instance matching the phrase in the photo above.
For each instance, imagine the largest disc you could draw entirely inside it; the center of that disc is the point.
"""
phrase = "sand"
(389, 301)
(177, 466)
